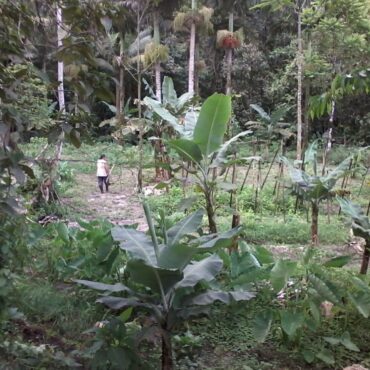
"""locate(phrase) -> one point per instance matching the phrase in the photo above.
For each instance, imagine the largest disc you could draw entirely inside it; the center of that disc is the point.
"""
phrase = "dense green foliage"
(141, 81)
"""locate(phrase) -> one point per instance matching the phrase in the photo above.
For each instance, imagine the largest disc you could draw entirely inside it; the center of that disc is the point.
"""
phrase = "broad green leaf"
(190, 121)
(221, 154)
(212, 122)
(168, 92)
(308, 356)
(280, 273)
(315, 311)
(263, 255)
(326, 356)
(186, 149)
(176, 256)
(291, 321)
(106, 287)
(261, 112)
(214, 242)
(136, 243)
(203, 270)
(164, 114)
(117, 303)
(188, 225)
(311, 152)
(152, 276)
(362, 303)
(211, 296)
(323, 290)
(331, 340)
(347, 342)
(338, 261)
(126, 314)
(183, 99)
(262, 324)
(62, 231)
(338, 172)
(361, 222)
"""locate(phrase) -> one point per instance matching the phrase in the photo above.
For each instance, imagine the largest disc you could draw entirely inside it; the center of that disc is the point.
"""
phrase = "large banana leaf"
(212, 123)
(176, 256)
(186, 149)
(261, 112)
(164, 114)
(189, 224)
(106, 287)
(221, 154)
(212, 296)
(213, 242)
(182, 100)
(311, 152)
(136, 243)
(338, 172)
(204, 270)
(117, 303)
(190, 121)
(361, 223)
(153, 277)
(168, 92)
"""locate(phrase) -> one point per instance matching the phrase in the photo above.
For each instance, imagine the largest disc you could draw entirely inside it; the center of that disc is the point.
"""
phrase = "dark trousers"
(103, 180)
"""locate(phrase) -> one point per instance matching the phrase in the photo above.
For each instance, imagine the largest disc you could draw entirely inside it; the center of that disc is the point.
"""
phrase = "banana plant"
(360, 227)
(312, 187)
(171, 112)
(271, 124)
(207, 150)
(174, 279)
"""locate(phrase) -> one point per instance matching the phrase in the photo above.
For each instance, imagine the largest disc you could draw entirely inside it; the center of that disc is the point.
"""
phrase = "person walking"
(102, 172)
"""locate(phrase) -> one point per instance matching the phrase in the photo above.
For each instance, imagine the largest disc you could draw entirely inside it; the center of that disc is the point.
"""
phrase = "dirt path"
(121, 205)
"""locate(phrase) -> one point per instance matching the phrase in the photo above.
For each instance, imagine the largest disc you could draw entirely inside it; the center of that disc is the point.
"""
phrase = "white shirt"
(100, 168)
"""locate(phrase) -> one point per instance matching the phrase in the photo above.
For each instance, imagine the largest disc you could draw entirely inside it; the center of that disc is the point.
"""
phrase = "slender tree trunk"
(141, 140)
(196, 68)
(365, 258)
(315, 224)
(229, 57)
(157, 67)
(192, 52)
(306, 129)
(300, 62)
(61, 100)
(120, 89)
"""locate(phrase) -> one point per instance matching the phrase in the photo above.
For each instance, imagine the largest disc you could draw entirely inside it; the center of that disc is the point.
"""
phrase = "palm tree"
(193, 20)
(61, 99)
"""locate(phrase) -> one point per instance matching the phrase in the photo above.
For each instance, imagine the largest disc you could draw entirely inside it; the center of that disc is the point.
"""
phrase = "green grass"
(59, 306)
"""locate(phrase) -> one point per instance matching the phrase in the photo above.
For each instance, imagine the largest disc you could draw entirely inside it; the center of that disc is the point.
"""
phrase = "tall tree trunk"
(229, 57)
(120, 89)
(306, 129)
(61, 99)
(300, 62)
(141, 139)
(197, 68)
(315, 223)
(365, 258)
(157, 67)
(192, 51)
